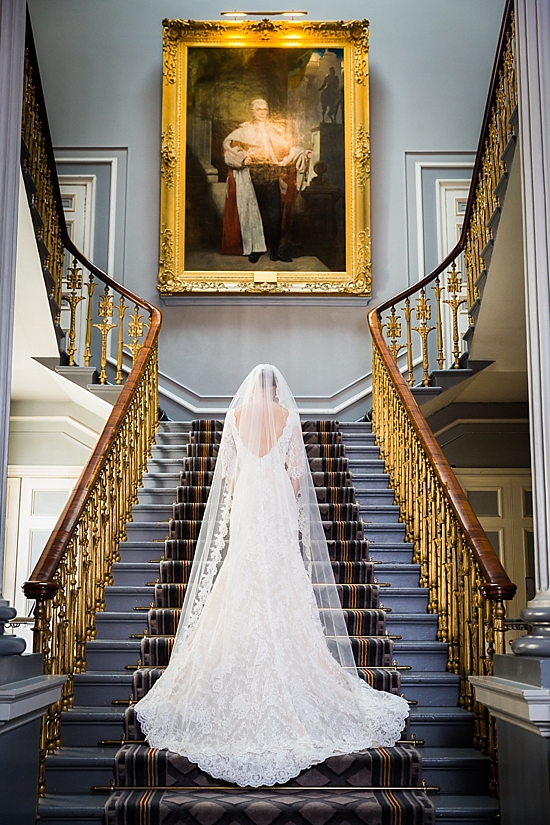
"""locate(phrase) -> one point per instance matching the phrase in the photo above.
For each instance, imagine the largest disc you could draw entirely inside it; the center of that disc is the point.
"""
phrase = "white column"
(533, 74)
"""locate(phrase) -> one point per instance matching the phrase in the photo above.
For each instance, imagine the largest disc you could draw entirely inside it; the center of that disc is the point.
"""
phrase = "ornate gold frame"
(353, 37)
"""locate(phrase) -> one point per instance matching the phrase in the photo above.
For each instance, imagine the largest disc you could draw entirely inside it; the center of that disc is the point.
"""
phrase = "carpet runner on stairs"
(92, 728)
(166, 788)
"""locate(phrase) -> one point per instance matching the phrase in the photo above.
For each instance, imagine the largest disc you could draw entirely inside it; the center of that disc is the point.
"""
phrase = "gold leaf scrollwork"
(263, 286)
(361, 155)
(167, 280)
(168, 157)
(170, 40)
(362, 281)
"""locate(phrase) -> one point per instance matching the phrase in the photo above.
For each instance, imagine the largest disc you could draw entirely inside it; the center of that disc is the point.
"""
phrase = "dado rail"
(69, 579)
(467, 583)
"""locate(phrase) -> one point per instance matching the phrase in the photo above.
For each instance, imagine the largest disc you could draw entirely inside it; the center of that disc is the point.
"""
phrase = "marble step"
(370, 496)
(174, 427)
(165, 465)
(464, 809)
(169, 451)
(151, 512)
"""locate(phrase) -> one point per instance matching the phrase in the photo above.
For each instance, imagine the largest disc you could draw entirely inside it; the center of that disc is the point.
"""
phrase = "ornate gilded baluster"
(74, 284)
(121, 307)
(393, 332)
(454, 290)
(90, 286)
(423, 313)
(135, 331)
(410, 367)
(105, 311)
(439, 326)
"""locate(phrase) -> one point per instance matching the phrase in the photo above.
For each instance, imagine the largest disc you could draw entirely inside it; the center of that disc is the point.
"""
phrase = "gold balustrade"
(466, 583)
(69, 579)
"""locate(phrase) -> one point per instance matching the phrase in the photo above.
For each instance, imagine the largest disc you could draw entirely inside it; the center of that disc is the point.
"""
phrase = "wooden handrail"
(41, 582)
(497, 582)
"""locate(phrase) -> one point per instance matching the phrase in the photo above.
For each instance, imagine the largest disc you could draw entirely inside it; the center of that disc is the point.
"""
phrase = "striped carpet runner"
(373, 787)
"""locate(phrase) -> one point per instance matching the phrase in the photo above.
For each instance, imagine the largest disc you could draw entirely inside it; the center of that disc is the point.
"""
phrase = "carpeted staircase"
(386, 619)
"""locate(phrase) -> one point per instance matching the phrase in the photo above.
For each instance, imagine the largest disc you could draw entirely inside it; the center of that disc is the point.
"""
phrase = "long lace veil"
(263, 425)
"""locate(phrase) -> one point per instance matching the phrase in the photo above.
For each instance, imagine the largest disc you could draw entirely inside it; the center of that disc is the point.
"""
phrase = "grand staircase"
(387, 618)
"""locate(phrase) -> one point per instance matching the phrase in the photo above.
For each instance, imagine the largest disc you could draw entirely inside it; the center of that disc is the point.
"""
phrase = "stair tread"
(432, 755)
(74, 803)
(67, 755)
(99, 711)
(419, 712)
(452, 802)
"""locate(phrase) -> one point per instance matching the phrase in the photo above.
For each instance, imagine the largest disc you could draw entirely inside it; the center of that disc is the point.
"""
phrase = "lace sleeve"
(228, 453)
(295, 461)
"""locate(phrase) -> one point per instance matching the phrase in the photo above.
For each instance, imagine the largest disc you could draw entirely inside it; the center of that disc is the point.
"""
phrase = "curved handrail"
(497, 583)
(41, 582)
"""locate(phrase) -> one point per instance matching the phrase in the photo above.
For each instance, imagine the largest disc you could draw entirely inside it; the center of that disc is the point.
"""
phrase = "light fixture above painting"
(236, 14)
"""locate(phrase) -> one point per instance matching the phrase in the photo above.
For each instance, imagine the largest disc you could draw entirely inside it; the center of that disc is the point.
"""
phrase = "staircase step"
(120, 625)
(398, 575)
(146, 530)
(464, 810)
(126, 598)
(166, 495)
(164, 465)
(412, 626)
(353, 807)
(456, 770)
(372, 513)
(160, 480)
(141, 552)
(173, 438)
(138, 573)
(77, 769)
(151, 512)
(405, 599)
(421, 655)
(431, 689)
(384, 532)
(72, 808)
(85, 726)
(101, 688)
(443, 727)
(399, 765)
(111, 654)
(171, 451)
(369, 481)
(174, 427)
(391, 552)
(371, 496)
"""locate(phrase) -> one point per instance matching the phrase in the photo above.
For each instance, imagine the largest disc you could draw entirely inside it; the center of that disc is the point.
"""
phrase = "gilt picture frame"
(265, 158)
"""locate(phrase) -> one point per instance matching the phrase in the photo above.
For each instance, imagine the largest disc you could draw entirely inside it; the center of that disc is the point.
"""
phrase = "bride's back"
(261, 423)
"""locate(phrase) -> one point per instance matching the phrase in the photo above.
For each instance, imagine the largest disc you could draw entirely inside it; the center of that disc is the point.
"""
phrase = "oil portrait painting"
(257, 165)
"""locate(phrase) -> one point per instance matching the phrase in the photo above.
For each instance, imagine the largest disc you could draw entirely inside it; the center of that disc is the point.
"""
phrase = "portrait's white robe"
(256, 140)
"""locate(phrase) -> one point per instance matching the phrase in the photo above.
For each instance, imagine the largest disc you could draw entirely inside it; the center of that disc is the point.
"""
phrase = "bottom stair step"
(282, 806)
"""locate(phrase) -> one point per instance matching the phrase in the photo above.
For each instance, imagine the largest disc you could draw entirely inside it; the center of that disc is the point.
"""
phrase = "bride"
(262, 682)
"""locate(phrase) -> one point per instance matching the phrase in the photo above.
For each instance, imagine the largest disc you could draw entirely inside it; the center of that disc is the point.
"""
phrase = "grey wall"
(430, 67)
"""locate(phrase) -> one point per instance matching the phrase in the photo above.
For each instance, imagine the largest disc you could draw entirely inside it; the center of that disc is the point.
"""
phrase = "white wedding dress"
(252, 693)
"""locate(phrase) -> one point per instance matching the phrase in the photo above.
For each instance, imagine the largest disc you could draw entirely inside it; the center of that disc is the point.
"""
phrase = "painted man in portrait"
(265, 174)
